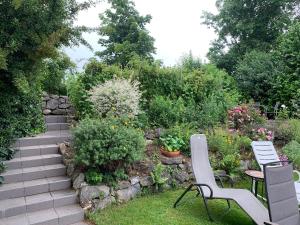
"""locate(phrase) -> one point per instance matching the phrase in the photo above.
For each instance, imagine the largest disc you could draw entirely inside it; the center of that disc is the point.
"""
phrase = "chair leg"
(228, 203)
(183, 194)
(206, 207)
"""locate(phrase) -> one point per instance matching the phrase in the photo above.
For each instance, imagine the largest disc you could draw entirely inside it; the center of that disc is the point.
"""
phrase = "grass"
(158, 210)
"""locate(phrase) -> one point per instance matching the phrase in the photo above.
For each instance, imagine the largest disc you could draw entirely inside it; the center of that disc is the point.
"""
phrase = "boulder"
(146, 181)
(171, 161)
(125, 195)
(123, 184)
(134, 180)
(78, 181)
(46, 111)
(62, 100)
(103, 203)
(89, 193)
(182, 176)
(52, 104)
(59, 112)
(64, 106)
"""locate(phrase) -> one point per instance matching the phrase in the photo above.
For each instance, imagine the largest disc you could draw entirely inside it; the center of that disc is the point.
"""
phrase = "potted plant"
(170, 146)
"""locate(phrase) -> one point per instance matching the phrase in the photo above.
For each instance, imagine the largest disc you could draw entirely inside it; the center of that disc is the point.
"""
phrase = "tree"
(31, 31)
(244, 25)
(256, 75)
(189, 63)
(124, 34)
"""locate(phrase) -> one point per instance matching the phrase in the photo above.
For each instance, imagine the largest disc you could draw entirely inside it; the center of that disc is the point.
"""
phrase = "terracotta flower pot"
(170, 154)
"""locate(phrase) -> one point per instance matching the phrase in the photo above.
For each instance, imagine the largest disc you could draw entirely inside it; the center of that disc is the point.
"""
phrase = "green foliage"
(171, 144)
(55, 72)
(292, 150)
(256, 74)
(124, 34)
(36, 29)
(183, 131)
(189, 63)
(287, 85)
(243, 26)
(157, 177)
(107, 144)
(93, 177)
(165, 112)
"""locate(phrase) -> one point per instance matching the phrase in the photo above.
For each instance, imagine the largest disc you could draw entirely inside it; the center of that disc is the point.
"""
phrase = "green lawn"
(158, 210)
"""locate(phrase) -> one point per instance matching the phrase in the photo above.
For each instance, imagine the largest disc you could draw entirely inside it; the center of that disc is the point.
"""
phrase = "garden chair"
(281, 194)
(265, 153)
(208, 189)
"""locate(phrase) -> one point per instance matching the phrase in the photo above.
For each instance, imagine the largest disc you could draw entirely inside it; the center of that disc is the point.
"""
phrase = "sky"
(175, 25)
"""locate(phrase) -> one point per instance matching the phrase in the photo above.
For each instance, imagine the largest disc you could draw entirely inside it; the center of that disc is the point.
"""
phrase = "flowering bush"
(116, 97)
(262, 134)
(243, 118)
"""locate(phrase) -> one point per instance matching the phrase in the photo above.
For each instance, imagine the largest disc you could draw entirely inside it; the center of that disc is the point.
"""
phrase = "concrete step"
(56, 119)
(57, 126)
(65, 215)
(36, 150)
(48, 138)
(31, 161)
(33, 173)
(33, 203)
(33, 187)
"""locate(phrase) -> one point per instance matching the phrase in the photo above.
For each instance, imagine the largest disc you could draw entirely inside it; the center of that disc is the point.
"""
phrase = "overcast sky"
(175, 25)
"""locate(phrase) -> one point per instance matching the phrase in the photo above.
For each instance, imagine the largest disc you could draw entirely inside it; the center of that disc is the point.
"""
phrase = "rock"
(64, 106)
(149, 142)
(52, 104)
(62, 100)
(88, 193)
(189, 167)
(245, 164)
(134, 180)
(182, 176)
(145, 167)
(59, 112)
(78, 180)
(171, 161)
(101, 204)
(125, 195)
(43, 104)
(62, 149)
(181, 166)
(54, 97)
(123, 184)
(146, 181)
(46, 111)
(71, 110)
(70, 169)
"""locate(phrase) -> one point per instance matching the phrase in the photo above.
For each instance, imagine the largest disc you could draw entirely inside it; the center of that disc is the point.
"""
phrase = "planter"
(170, 154)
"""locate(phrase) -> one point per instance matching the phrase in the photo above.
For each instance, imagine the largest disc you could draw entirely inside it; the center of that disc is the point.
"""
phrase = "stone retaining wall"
(56, 105)
(178, 172)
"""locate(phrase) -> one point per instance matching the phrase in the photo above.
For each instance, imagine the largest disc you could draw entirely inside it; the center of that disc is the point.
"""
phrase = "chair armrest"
(270, 223)
(227, 176)
(201, 190)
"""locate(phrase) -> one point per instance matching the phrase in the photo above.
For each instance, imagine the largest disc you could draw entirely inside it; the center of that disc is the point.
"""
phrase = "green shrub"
(93, 177)
(230, 163)
(292, 151)
(107, 144)
(164, 112)
(116, 97)
(288, 130)
(157, 177)
(184, 131)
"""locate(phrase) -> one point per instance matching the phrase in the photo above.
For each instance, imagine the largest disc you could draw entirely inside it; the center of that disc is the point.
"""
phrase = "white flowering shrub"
(116, 97)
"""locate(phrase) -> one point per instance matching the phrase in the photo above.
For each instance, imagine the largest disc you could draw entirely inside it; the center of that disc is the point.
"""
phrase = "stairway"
(36, 190)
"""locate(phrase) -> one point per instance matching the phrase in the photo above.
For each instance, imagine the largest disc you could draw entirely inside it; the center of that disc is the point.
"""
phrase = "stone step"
(57, 126)
(31, 161)
(56, 119)
(36, 150)
(33, 173)
(48, 138)
(33, 187)
(33, 203)
(65, 215)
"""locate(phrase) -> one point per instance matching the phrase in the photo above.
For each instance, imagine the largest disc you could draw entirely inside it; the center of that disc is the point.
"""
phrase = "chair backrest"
(264, 152)
(281, 193)
(200, 161)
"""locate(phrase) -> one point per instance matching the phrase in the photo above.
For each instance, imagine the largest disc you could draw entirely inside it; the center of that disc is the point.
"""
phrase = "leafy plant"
(171, 144)
(107, 144)
(292, 150)
(230, 163)
(157, 176)
(183, 131)
(116, 97)
(93, 176)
